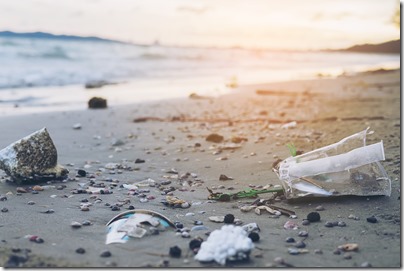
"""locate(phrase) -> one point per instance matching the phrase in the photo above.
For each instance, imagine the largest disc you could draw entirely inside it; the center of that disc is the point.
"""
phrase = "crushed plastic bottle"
(348, 167)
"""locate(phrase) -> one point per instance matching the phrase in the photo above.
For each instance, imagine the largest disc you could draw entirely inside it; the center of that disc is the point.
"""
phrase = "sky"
(274, 24)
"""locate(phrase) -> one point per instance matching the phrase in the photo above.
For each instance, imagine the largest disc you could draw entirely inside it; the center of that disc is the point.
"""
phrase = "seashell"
(217, 219)
(37, 188)
(32, 158)
(290, 225)
(349, 247)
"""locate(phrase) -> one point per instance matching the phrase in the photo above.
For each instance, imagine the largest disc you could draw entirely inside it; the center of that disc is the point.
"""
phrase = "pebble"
(185, 234)
(106, 253)
(81, 173)
(77, 126)
(37, 188)
(371, 219)
(228, 219)
(80, 250)
(313, 217)
(337, 252)
(195, 244)
(199, 228)
(84, 208)
(75, 225)
(290, 225)
(21, 190)
(185, 205)
(318, 251)
(4, 210)
(300, 244)
(197, 222)
(329, 224)
(290, 240)
(351, 216)
(36, 239)
(305, 222)
(303, 234)
(189, 214)
(293, 251)
(341, 224)
(347, 256)
(115, 208)
(175, 252)
(178, 225)
(31, 202)
(86, 223)
(139, 161)
(320, 208)
(366, 264)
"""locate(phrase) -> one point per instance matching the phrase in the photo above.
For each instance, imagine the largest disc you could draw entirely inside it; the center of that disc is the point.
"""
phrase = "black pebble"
(80, 250)
(228, 219)
(254, 236)
(39, 240)
(300, 244)
(105, 254)
(82, 173)
(290, 240)
(131, 207)
(371, 219)
(178, 225)
(313, 217)
(138, 161)
(4, 210)
(194, 244)
(115, 208)
(175, 251)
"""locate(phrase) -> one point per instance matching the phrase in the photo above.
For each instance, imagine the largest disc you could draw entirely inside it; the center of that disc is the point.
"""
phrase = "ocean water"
(32, 70)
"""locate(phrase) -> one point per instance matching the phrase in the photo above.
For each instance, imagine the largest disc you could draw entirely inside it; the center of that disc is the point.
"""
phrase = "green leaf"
(292, 149)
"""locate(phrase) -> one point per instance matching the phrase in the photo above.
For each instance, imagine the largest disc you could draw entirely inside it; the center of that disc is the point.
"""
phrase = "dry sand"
(326, 110)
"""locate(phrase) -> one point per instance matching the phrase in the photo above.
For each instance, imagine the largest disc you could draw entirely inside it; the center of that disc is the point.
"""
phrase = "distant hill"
(390, 47)
(43, 35)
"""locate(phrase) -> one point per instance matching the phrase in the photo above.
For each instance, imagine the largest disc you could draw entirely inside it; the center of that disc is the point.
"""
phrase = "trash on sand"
(348, 167)
(250, 193)
(230, 243)
(32, 158)
(134, 223)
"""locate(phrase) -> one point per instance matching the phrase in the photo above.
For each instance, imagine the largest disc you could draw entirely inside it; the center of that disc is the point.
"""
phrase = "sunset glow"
(286, 24)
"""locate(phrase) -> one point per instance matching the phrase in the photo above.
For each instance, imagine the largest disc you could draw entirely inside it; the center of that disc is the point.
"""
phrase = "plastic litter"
(230, 243)
(134, 223)
(348, 167)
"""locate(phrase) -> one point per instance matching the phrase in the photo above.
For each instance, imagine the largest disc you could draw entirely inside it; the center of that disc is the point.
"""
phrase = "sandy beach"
(168, 140)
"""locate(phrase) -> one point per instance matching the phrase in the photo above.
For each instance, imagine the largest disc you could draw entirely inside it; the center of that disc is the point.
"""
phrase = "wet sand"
(171, 135)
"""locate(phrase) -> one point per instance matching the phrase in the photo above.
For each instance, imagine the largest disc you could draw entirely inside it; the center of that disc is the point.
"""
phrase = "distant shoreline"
(390, 47)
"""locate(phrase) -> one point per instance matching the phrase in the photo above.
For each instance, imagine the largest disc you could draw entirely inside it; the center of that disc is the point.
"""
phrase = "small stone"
(97, 102)
(337, 252)
(198, 222)
(4, 210)
(335, 223)
(320, 208)
(290, 240)
(371, 219)
(303, 234)
(139, 161)
(300, 244)
(228, 219)
(81, 173)
(223, 177)
(115, 208)
(341, 224)
(293, 251)
(185, 205)
(178, 225)
(318, 251)
(77, 126)
(305, 222)
(175, 252)
(37, 188)
(21, 190)
(105, 254)
(195, 244)
(80, 250)
(131, 207)
(366, 264)
(75, 225)
(87, 223)
(329, 224)
(84, 208)
(254, 236)
(347, 256)
(185, 234)
(216, 138)
(313, 217)
(31, 202)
